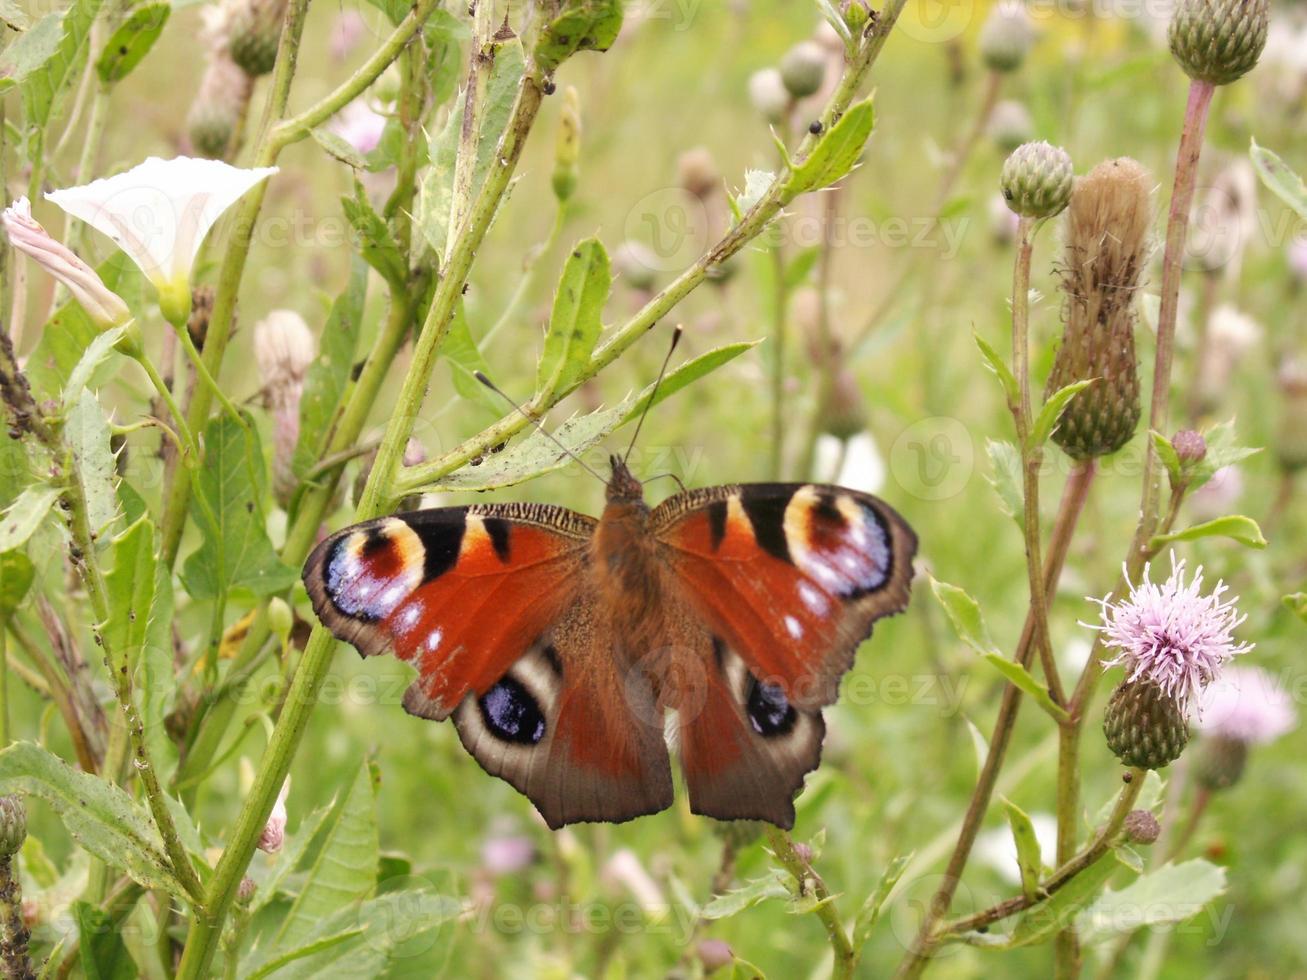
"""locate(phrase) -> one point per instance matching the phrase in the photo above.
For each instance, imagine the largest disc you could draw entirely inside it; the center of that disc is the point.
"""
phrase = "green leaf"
(1029, 857)
(1297, 604)
(1000, 369)
(329, 374)
(575, 324)
(1280, 178)
(1005, 460)
(1172, 893)
(538, 454)
(836, 152)
(97, 814)
(1040, 923)
(965, 615)
(32, 50)
(25, 515)
(582, 25)
(1167, 454)
(131, 584)
(1024, 680)
(86, 431)
(1235, 526)
(1051, 413)
(1221, 452)
(16, 574)
(979, 745)
(460, 352)
(751, 893)
(801, 265)
(96, 353)
(45, 90)
(345, 870)
(132, 41)
(338, 147)
(103, 954)
(235, 552)
(375, 242)
(869, 914)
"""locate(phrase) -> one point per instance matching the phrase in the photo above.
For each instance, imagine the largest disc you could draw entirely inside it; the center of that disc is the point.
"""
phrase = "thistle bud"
(1036, 180)
(1010, 125)
(273, 835)
(714, 954)
(1291, 438)
(245, 890)
(13, 825)
(1006, 36)
(768, 94)
(221, 101)
(1221, 762)
(1144, 726)
(1141, 827)
(567, 146)
(697, 172)
(1218, 41)
(1189, 446)
(803, 69)
(843, 411)
(856, 14)
(1107, 231)
(254, 30)
(284, 348)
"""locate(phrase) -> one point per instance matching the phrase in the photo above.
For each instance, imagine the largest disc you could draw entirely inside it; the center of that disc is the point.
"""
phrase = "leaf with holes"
(581, 25)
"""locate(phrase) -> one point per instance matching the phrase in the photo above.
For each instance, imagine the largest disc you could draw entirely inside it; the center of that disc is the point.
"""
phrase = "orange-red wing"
(459, 592)
(790, 577)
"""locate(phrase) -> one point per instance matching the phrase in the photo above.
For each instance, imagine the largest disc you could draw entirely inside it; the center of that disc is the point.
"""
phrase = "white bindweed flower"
(159, 213)
(102, 304)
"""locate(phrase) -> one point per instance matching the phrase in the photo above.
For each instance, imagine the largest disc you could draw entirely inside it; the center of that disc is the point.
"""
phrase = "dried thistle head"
(1108, 224)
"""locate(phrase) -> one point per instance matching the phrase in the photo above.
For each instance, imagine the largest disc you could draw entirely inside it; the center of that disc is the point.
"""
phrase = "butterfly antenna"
(676, 339)
(540, 426)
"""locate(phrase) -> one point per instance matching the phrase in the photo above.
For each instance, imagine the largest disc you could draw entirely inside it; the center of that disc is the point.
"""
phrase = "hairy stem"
(809, 882)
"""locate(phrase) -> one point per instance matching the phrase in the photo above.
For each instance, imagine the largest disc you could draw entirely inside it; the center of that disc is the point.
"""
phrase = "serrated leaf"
(131, 42)
(1029, 856)
(576, 320)
(1237, 527)
(25, 515)
(131, 584)
(1040, 923)
(1051, 413)
(329, 374)
(375, 242)
(460, 352)
(1279, 178)
(965, 615)
(771, 885)
(235, 552)
(869, 914)
(1005, 461)
(1000, 368)
(96, 353)
(836, 152)
(103, 954)
(45, 89)
(16, 574)
(538, 454)
(32, 50)
(338, 147)
(582, 25)
(1172, 893)
(86, 431)
(97, 814)
(345, 870)
(1221, 452)
(1024, 680)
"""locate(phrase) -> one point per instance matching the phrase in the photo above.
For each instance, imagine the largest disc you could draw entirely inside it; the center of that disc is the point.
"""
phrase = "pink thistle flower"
(1248, 705)
(1172, 635)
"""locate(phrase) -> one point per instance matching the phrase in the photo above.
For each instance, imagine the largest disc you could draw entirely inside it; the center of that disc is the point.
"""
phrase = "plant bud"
(1218, 41)
(245, 890)
(567, 146)
(218, 107)
(1291, 438)
(1145, 727)
(1141, 827)
(13, 825)
(254, 28)
(280, 618)
(844, 411)
(284, 348)
(1189, 446)
(714, 954)
(1221, 762)
(856, 14)
(803, 69)
(768, 94)
(1006, 36)
(1010, 125)
(1107, 231)
(697, 172)
(1036, 180)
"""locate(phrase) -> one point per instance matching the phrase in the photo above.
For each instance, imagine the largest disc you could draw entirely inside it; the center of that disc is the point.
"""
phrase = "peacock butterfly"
(558, 643)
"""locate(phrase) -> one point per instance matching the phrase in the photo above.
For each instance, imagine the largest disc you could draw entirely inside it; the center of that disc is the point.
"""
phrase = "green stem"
(192, 449)
(846, 957)
(4, 685)
(206, 379)
(780, 300)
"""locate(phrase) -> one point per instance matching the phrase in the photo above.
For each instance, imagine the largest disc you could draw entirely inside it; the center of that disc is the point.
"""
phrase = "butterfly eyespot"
(769, 710)
(510, 713)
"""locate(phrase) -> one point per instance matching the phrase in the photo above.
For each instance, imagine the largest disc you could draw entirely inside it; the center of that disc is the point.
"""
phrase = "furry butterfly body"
(558, 643)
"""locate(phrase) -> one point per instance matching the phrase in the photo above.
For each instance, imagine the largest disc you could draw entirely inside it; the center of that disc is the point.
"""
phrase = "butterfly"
(560, 645)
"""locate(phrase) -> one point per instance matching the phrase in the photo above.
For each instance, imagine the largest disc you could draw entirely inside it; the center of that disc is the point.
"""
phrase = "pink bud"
(274, 831)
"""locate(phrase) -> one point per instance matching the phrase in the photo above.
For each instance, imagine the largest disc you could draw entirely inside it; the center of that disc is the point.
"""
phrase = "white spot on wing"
(794, 627)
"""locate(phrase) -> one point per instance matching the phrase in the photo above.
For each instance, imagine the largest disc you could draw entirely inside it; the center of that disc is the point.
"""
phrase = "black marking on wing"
(511, 714)
(766, 514)
(769, 710)
(442, 542)
(717, 522)
(552, 659)
(500, 535)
